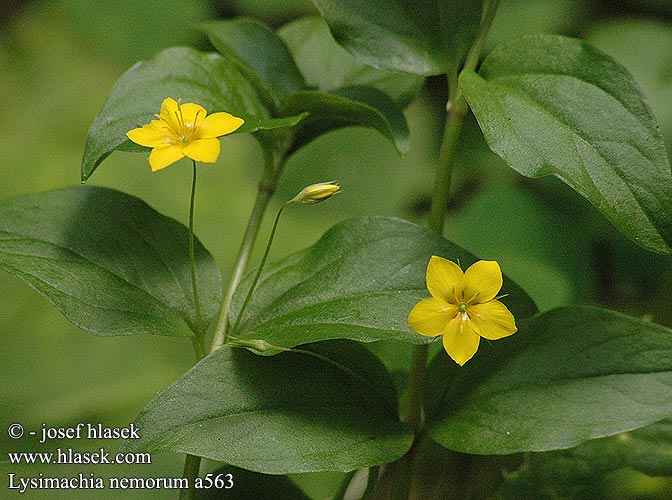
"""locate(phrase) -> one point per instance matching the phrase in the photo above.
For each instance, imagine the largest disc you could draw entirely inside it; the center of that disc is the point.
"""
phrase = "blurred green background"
(58, 61)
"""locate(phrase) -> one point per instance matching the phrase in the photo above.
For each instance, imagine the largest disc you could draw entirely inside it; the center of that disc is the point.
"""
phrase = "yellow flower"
(183, 130)
(462, 307)
(316, 193)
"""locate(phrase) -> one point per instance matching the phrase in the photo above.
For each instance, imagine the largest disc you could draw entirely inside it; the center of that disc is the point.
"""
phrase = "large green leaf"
(328, 66)
(425, 37)
(180, 73)
(267, 62)
(289, 413)
(107, 261)
(260, 54)
(553, 105)
(359, 281)
(567, 376)
(364, 106)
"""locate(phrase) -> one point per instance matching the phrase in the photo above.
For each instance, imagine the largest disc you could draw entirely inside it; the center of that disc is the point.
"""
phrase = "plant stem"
(274, 162)
(417, 388)
(265, 191)
(192, 463)
(457, 109)
(345, 484)
(259, 269)
(489, 11)
(437, 217)
(199, 338)
(456, 114)
(192, 466)
(371, 483)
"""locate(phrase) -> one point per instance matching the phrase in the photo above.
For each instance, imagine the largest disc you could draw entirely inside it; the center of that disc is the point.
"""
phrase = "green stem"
(371, 481)
(457, 109)
(192, 463)
(345, 484)
(415, 416)
(456, 114)
(199, 339)
(437, 218)
(489, 12)
(259, 270)
(266, 190)
(192, 466)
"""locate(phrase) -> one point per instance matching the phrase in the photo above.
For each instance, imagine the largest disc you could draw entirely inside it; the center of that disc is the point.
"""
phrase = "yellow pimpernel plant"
(183, 130)
(463, 307)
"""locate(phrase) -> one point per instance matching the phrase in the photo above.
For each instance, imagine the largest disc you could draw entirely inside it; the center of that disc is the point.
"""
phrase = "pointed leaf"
(180, 73)
(426, 37)
(328, 66)
(107, 261)
(551, 105)
(359, 281)
(567, 376)
(259, 54)
(287, 413)
(364, 106)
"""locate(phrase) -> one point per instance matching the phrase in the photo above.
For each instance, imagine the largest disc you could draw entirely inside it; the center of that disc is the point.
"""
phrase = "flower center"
(186, 130)
(463, 308)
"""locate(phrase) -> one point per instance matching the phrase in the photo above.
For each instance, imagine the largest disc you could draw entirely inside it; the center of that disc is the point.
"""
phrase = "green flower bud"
(316, 193)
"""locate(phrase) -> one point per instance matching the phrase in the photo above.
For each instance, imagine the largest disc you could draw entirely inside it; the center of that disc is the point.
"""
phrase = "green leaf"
(359, 281)
(426, 37)
(266, 61)
(567, 376)
(364, 106)
(107, 261)
(327, 66)
(288, 413)
(550, 105)
(181, 73)
(259, 54)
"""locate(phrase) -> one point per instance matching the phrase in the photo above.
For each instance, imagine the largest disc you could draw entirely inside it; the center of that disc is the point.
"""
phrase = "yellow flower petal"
(460, 340)
(193, 114)
(183, 130)
(163, 156)
(445, 279)
(204, 150)
(430, 317)
(492, 320)
(482, 281)
(168, 108)
(218, 124)
(150, 135)
(169, 114)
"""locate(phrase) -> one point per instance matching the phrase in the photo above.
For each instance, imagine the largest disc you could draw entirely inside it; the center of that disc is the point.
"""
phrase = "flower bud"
(257, 346)
(316, 193)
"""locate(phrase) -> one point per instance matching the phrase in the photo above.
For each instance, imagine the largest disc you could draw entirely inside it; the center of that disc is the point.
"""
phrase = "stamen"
(183, 133)
(195, 124)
